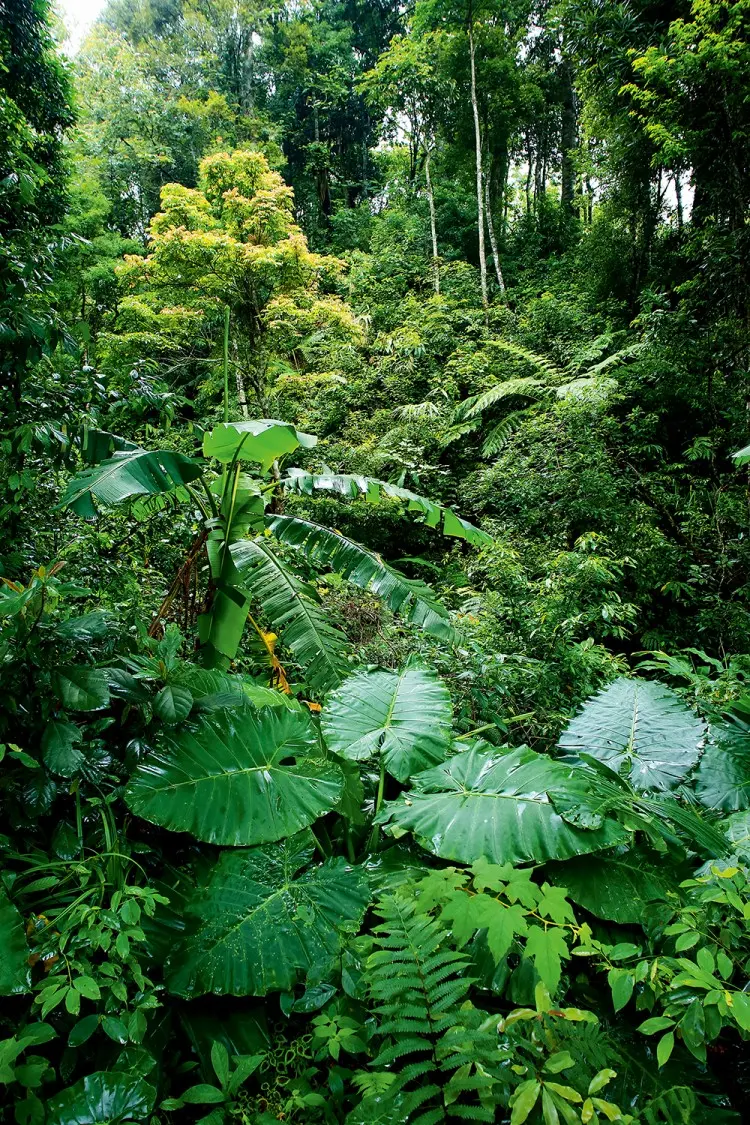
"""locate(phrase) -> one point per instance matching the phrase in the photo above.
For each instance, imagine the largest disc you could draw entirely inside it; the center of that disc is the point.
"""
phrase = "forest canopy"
(374, 604)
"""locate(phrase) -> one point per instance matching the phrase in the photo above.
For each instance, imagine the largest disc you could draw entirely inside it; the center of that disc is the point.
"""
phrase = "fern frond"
(500, 434)
(366, 569)
(294, 608)
(510, 388)
(540, 363)
(470, 1112)
(401, 1047)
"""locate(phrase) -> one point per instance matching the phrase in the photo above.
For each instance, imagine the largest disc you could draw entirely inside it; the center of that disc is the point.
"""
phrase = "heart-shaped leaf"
(237, 777)
(264, 918)
(404, 716)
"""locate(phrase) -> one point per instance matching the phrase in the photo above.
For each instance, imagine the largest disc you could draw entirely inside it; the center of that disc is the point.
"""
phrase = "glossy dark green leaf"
(723, 778)
(15, 974)
(104, 1098)
(265, 917)
(237, 777)
(59, 749)
(81, 688)
(639, 729)
(484, 804)
(403, 716)
(615, 888)
(173, 703)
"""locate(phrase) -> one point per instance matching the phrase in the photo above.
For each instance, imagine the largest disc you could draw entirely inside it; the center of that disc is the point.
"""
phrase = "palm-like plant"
(246, 568)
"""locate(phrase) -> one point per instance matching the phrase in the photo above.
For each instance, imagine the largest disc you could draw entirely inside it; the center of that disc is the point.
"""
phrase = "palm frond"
(351, 485)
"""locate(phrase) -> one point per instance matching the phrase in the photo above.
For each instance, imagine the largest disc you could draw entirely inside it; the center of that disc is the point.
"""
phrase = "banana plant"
(241, 539)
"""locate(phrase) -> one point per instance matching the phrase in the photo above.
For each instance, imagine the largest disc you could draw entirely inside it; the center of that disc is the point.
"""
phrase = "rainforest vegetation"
(374, 605)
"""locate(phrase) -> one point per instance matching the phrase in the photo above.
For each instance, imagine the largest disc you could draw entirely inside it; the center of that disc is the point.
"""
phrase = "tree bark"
(480, 177)
(433, 222)
(567, 139)
(493, 240)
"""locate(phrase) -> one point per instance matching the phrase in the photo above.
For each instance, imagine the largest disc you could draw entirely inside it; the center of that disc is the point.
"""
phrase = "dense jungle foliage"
(374, 612)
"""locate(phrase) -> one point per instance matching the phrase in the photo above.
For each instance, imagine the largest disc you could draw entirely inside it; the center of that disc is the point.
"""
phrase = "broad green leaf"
(742, 456)
(484, 804)
(737, 829)
(81, 688)
(693, 1028)
(104, 1098)
(622, 984)
(404, 716)
(641, 730)
(615, 888)
(524, 1099)
(131, 473)
(410, 597)
(237, 777)
(261, 441)
(547, 948)
(59, 749)
(723, 778)
(173, 703)
(15, 974)
(664, 1048)
(264, 918)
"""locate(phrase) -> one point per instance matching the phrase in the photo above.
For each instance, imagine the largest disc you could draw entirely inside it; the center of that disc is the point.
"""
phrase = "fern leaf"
(510, 388)
(499, 435)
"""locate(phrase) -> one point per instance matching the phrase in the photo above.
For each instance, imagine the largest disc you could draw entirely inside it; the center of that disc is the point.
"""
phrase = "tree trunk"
(493, 240)
(480, 177)
(433, 223)
(567, 139)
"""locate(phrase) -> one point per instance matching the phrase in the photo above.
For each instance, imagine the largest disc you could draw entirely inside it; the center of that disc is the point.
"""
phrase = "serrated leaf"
(547, 949)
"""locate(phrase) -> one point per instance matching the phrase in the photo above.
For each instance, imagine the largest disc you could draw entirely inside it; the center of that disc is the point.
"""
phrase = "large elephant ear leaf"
(616, 888)
(404, 716)
(237, 778)
(266, 918)
(260, 441)
(15, 974)
(126, 475)
(640, 729)
(104, 1098)
(723, 778)
(485, 804)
